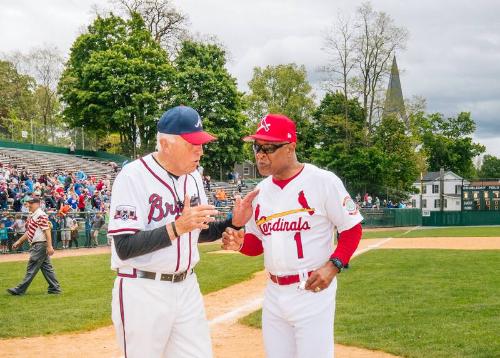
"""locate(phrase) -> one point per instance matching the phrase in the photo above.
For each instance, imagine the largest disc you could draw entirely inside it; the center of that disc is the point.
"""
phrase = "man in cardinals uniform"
(159, 213)
(294, 217)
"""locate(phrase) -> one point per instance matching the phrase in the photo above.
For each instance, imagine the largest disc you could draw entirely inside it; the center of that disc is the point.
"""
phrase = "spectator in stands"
(80, 175)
(72, 201)
(220, 197)
(97, 224)
(81, 200)
(4, 196)
(377, 203)
(74, 233)
(68, 181)
(207, 182)
(65, 225)
(72, 148)
(4, 238)
(19, 227)
(96, 201)
(56, 233)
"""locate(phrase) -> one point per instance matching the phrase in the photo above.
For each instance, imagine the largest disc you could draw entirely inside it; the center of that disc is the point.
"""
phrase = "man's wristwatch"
(337, 263)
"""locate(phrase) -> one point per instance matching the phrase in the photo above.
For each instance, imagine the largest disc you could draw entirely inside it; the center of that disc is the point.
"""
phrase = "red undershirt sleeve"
(347, 243)
(252, 245)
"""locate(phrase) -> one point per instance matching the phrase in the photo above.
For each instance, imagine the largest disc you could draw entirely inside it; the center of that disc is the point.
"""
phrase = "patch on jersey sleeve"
(350, 206)
(125, 212)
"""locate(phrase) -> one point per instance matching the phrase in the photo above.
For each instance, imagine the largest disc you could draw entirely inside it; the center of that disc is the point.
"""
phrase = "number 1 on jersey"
(298, 242)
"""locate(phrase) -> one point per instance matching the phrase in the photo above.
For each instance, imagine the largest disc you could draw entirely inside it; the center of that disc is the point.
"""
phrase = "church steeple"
(394, 103)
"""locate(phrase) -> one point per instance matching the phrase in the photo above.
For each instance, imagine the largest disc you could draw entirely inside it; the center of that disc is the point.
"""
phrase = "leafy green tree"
(490, 167)
(116, 80)
(400, 161)
(447, 142)
(284, 89)
(16, 94)
(203, 82)
(339, 144)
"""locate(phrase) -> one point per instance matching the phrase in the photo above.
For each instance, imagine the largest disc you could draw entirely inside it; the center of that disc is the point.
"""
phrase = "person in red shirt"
(81, 200)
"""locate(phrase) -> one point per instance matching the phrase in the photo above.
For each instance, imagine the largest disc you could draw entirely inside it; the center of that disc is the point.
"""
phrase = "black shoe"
(54, 292)
(14, 292)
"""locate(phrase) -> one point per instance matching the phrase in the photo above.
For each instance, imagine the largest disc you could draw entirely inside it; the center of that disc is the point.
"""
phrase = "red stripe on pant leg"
(122, 314)
(189, 262)
(178, 253)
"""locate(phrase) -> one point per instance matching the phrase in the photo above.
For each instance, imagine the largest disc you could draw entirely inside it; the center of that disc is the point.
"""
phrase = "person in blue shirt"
(29, 183)
(72, 202)
(4, 238)
(80, 175)
(78, 188)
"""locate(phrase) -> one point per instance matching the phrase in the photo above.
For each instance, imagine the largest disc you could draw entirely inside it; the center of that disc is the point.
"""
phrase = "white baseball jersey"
(144, 197)
(296, 223)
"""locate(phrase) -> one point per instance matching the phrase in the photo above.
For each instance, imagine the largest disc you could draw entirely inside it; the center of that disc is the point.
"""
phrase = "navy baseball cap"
(186, 122)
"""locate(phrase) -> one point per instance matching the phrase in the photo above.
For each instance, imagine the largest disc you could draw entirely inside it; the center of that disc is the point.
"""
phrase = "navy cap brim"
(197, 138)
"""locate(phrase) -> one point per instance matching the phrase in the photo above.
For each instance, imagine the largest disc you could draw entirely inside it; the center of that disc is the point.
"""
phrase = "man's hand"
(50, 250)
(322, 277)
(16, 245)
(232, 239)
(242, 211)
(193, 218)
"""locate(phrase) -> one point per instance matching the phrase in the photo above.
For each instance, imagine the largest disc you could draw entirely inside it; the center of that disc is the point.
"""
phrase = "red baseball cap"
(275, 128)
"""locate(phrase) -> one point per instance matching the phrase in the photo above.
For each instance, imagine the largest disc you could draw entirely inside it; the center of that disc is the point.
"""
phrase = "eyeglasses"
(267, 148)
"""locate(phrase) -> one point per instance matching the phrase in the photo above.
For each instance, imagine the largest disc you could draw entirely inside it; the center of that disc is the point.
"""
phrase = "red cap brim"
(198, 138)
(265, 138)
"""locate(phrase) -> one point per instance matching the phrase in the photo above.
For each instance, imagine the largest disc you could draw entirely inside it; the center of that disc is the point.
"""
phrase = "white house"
(430, 187)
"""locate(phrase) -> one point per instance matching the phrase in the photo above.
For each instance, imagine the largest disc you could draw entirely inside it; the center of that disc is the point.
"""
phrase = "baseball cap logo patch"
(198, 124)
(264, 125)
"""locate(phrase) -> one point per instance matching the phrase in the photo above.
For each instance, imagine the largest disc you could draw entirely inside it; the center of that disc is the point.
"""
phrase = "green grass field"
(86, 301)
(420, 303)
(453, 231)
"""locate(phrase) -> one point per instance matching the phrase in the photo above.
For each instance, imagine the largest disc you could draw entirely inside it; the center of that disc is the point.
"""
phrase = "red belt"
(286, 280)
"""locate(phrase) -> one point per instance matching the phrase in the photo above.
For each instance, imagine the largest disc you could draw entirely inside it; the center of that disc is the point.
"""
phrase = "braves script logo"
(266, 225)
(264, 125)
(158, 211)
(125, 212)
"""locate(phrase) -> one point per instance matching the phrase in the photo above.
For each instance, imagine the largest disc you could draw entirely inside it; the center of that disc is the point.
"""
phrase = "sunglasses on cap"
(267, 148)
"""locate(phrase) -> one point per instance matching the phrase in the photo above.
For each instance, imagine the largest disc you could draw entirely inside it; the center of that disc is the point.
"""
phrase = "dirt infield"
(223, 308)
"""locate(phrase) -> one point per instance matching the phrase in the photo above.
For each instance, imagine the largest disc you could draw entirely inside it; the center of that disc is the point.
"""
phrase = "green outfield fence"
(461, 218)
(391, 217)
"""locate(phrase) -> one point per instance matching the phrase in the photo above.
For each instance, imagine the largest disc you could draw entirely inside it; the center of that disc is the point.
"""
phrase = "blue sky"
(452, 57)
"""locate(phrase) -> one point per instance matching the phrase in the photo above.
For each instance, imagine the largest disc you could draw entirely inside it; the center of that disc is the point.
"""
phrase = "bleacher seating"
(44, 162)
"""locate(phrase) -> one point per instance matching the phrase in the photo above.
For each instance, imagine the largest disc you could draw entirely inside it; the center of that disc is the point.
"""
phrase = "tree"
(284, 89)
(16, 99)
(167, 25)
(447, 142)
(400, 161)
(45, 64)
(350, 159)
(340, 45)
(490, 167)
(203, 82)
(116, 80)
(376, 43)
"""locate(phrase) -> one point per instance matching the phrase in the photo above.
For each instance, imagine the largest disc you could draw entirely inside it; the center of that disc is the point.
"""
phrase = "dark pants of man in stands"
(39, 260)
